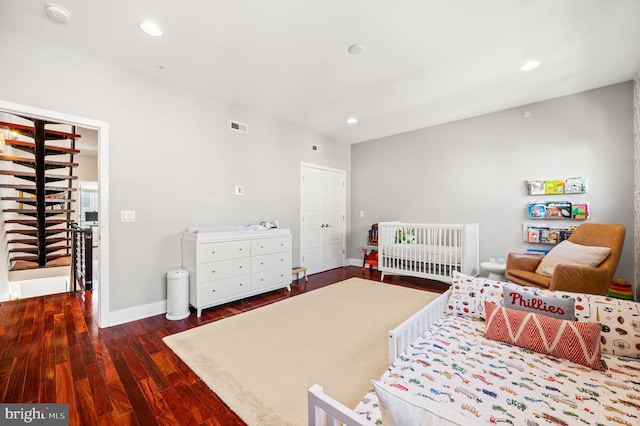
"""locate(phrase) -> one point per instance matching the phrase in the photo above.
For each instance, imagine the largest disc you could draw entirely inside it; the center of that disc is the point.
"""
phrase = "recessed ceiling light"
(355, 49)
(57, 13)
(151, 29)
(352, 120)
(529, 65)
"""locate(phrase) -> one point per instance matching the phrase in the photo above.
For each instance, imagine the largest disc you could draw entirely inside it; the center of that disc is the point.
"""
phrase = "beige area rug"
(262, 362)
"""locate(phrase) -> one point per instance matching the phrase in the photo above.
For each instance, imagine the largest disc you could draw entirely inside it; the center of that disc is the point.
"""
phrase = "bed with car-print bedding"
(512, 356)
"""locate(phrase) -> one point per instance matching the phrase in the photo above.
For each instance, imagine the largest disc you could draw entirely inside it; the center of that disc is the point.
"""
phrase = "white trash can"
(178, 294)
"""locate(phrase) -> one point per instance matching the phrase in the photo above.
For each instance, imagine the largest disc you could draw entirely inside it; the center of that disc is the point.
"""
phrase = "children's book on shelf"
(580, 210)
(537, 210)
(549, 236)
(575, 185)
(533, 235)
(565, 234)
(558, 210)
(540, 252)
(554, 186)
(535, 187)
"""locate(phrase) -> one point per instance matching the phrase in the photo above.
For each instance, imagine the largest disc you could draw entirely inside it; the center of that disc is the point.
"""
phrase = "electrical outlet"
(361, 213)
(127, 216)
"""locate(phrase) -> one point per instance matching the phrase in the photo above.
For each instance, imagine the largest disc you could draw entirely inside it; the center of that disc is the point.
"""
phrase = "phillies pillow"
(572, 340)
(555, 307)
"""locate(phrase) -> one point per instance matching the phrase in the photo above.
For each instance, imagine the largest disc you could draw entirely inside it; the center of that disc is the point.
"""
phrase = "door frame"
(344, 206)
(102, 128)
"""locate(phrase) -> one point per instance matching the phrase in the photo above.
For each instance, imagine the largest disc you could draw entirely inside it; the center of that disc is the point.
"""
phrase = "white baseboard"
(354, 262)
(137, 312)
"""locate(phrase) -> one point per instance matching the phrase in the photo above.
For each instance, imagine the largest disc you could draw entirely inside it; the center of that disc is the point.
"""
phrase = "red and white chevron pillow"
(576, 341)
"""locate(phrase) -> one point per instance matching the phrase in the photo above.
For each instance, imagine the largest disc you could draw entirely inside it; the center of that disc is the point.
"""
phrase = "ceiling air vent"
(316, 148)
(239, 127)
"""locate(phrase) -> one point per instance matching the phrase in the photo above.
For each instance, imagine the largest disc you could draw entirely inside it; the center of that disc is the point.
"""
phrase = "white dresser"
(231, 265)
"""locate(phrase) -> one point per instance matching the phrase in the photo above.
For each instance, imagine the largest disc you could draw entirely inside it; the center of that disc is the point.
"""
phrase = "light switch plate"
(239, 190)
(127, 216)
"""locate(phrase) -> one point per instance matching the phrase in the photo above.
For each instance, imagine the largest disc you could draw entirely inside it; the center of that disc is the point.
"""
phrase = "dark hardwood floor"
(52, 351)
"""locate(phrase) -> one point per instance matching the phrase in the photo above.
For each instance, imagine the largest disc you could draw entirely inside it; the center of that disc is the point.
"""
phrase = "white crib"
(432, 251)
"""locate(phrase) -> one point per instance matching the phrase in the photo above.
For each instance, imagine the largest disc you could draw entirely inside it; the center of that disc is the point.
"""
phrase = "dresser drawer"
(269, 261)
(270, 245)
(222, 289)
(223, 269)
(211, 252)
(270, 278)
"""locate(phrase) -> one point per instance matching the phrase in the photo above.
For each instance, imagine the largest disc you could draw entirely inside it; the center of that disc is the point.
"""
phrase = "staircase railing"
(81, 257)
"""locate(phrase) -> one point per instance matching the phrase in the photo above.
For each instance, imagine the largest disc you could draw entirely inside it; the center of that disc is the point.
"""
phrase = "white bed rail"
(415, 326)
(326, 411)
(426, 250)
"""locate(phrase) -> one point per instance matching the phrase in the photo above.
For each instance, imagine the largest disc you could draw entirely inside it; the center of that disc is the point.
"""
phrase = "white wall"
(172, 159)
(474, 170)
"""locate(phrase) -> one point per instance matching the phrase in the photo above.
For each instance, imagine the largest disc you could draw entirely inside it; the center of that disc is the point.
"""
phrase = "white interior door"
(322, 218)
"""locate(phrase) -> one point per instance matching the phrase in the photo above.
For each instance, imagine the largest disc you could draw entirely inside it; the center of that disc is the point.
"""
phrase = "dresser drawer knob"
(213, 272)
(213, 291)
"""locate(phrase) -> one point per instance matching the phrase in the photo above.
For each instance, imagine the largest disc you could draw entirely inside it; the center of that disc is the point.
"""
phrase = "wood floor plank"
(157, 403)
(199, 409)
(135, 366)
(182, 412)
(15, 387)
(65, 391)
(84, 402)
(52, 351)
(119, 399)
(150, 366)
(76, 361)
(31, 393)
(104, 360)
(88, 352)
(4, 380)
(141, 407)
(99, 391)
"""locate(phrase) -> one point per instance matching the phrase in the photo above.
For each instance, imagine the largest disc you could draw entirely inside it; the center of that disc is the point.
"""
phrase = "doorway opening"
(101, 130)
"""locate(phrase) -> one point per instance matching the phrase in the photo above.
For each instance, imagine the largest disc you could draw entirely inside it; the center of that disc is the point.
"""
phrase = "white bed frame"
(424, 250)
(326, 411)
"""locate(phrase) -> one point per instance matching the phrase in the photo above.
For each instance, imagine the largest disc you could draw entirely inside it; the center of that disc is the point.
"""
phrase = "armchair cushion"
(525, 278)
(568, 253)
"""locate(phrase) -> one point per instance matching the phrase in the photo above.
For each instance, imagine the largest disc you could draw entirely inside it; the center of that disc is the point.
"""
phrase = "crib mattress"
(453, 364)
(423, 253)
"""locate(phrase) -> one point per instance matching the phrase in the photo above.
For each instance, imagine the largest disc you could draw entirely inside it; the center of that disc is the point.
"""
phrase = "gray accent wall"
(172, 158)
(474, 170)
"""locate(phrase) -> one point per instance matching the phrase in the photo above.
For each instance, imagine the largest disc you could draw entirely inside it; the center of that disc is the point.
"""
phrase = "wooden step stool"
(297, 270)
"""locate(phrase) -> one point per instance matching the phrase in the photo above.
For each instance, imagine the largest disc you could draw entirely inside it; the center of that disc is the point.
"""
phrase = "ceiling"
(425, 62)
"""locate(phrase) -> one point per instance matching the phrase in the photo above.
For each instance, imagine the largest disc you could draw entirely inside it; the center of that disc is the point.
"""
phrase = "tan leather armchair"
(521, 267)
